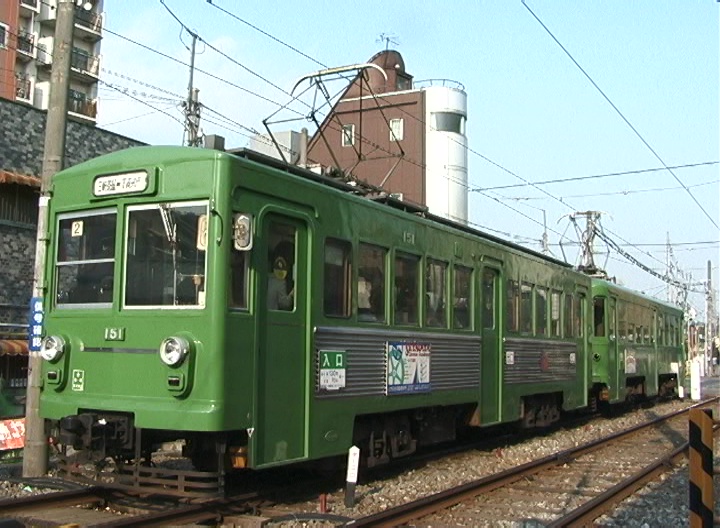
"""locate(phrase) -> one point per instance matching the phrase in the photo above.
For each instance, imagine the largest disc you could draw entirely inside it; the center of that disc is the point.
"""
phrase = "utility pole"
(35, 454)
(192, 107)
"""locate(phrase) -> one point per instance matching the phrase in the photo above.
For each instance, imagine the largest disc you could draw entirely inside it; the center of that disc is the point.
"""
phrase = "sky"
(557, 90)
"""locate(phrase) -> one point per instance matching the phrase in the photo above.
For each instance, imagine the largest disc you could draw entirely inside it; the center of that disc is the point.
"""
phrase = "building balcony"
(84, 67)
(82, 106)
(26, 46)
(89, 24)
(29, 6)
(23, 88)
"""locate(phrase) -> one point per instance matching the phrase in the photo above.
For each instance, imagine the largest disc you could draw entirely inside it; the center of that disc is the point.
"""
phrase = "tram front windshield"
(164, 261)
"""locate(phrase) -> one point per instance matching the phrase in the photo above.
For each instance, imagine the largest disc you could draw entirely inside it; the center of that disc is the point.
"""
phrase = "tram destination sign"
(126, 183)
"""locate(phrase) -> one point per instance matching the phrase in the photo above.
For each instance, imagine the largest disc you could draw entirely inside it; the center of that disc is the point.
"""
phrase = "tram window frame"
(462, 297)
(526, 307)
(513, 305)
(372, 267)
(337, 278)
(541, 310)
(85, 273)
(436, 277)
(406, 290)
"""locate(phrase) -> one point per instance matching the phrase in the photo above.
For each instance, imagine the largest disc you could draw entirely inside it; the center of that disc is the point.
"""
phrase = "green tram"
(637, 345)
(266, 315)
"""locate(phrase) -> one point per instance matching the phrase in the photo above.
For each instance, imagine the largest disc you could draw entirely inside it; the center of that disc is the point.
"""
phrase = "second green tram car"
(266, 315)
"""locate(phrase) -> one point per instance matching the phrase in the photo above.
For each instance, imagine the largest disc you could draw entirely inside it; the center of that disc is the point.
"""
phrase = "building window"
(448, 122)
(4, 31)
(396, 130)
(348, 135)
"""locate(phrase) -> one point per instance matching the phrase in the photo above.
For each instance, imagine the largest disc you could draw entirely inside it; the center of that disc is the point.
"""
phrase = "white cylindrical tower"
(446, 160)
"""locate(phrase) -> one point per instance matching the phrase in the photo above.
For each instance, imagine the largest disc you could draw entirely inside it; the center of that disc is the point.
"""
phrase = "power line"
(613, 193)
(140, 101)
(466, 146)
(622, 116)
(595, 176)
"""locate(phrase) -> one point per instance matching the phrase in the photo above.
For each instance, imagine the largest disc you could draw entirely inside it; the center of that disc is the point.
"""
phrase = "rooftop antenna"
(388, 38)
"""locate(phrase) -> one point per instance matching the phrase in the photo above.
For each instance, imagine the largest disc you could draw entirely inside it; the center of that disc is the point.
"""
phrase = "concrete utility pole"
(35, 454)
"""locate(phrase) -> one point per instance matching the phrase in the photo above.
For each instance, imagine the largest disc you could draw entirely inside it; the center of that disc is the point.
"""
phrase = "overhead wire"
(625, 119)
(563, 202)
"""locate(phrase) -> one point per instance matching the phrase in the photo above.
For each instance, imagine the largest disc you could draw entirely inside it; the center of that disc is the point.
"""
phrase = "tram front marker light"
(52, 348)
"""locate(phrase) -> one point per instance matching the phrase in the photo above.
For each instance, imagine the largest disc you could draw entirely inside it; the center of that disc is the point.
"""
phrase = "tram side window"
(371, 283)
(435, 283)
(580, 315)
(513, 305)
(406, 288)
(540, 311)
(661, 330)
(461, 297)
(647, 327)
(338, 273)
(599, 316)
(86, 259)
(555, 313)
(622, 327)
(526, 312)
(488, 287)
(238, 279)
(568, 315)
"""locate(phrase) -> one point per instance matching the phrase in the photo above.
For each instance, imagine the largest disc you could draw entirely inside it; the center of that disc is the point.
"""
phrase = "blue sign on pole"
(37, 316)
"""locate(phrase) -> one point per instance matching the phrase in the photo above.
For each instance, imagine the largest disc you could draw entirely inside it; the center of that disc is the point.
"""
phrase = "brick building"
(405, 136)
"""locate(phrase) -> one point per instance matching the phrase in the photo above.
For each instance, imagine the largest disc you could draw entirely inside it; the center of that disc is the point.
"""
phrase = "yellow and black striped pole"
(701, 468)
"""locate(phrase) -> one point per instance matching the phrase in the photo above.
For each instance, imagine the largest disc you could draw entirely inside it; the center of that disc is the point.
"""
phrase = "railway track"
(569, 488)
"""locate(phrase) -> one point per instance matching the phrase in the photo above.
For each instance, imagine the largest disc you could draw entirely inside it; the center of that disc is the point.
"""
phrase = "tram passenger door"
(281, 308)
(490, 364)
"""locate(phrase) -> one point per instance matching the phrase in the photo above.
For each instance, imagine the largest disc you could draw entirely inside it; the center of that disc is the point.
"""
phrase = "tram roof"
(130, 158)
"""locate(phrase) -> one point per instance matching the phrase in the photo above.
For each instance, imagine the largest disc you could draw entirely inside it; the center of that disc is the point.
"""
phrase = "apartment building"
(27, 39)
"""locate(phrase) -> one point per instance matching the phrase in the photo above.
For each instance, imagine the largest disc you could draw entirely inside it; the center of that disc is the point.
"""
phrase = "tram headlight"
(52, 348)
(173, 350)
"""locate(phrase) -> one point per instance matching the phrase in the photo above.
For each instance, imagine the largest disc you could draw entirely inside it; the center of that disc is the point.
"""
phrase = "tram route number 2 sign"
(332, 370)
